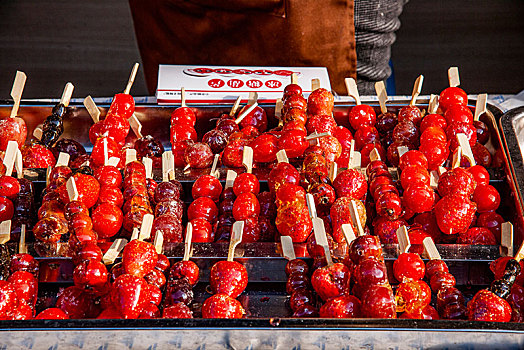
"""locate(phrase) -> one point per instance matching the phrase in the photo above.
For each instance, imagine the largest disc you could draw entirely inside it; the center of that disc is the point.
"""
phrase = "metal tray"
(265, 296)
(77, 123)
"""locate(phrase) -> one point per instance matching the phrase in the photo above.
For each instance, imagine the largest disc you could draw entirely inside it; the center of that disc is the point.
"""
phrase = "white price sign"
(223, 84)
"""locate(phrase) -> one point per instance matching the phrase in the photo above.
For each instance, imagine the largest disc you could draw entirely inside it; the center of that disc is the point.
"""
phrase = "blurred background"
(92, 44)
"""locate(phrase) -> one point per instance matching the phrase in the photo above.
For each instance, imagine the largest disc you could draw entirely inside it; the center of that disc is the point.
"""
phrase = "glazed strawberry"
(22, 311)
(88, 189)
(91, 276)
(454, 213)
(187, 269)
(228, 277)
(345, 306)
(486, 306)
(222, 306)
(52, 313)
(477, 236)
(12, 129)
(150, 311)
(457, 180)
(331, 281)
(37, 156)
(179, 310)
(8, 299)
(130, 295)
(139, 258)
(77, 304)
(25, 286)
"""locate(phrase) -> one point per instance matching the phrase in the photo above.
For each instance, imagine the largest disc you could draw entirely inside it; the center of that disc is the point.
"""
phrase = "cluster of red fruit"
(19, 289)
(15, 199)
(357, 286)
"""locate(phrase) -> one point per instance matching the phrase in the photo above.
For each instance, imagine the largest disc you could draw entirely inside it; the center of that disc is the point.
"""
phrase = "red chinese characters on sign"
(254, 83)
(242, 71)
(235, 83)
(223, 71)
(216, 83)
(273, 84)
(263, 72)
(283, 72)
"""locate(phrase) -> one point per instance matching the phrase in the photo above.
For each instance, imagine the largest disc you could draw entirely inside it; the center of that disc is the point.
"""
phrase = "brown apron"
(247, 32)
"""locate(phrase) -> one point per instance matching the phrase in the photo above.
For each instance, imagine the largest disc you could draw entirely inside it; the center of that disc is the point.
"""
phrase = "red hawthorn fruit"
(331, 281)
(345, 306)
(454, 213)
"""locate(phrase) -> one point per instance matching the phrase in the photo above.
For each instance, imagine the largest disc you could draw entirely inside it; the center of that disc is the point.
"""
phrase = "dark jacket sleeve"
(376, 22)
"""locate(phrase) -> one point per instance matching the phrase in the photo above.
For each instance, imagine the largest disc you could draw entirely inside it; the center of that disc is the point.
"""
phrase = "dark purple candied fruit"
(147, 146)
